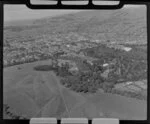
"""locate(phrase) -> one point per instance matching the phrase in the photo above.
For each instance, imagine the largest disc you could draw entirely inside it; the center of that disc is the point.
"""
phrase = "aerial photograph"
(75, 63)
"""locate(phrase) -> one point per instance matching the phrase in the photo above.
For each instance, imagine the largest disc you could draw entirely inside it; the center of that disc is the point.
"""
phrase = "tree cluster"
(88, 81)
(11, 115)
(63, 70)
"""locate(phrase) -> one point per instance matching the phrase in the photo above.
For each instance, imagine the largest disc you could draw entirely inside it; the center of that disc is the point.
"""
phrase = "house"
(105, 65)
(68, 45)
(90, 62)
(105, 73)
(73, 69)
(134, 88)
(120, 85)
(127, 49)
(129, 82)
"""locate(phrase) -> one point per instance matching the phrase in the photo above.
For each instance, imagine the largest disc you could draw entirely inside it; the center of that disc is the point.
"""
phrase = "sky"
(22, 12)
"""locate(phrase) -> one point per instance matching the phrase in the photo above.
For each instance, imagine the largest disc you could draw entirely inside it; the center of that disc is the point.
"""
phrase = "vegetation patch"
(44, 68)
(112, 67)
(8, 114)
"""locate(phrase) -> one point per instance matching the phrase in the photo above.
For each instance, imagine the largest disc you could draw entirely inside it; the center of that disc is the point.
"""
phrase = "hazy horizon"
(14, 12)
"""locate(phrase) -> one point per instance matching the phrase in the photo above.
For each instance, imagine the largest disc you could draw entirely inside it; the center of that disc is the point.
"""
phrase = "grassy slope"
(41, 95)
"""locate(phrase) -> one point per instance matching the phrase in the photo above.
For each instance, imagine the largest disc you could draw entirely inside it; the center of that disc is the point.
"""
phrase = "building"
(105, 65)
(73, 69)
(127, 49)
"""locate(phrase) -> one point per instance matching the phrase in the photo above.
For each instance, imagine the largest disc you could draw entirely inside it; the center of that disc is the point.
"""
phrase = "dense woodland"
(123, 67)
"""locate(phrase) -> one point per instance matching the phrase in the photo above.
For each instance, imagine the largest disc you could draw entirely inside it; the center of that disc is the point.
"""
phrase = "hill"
(124, 25)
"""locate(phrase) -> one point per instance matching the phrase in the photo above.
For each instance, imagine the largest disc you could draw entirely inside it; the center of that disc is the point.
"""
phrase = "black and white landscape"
(89, 64)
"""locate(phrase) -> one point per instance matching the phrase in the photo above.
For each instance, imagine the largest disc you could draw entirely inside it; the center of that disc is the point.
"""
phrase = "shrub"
(44, 68)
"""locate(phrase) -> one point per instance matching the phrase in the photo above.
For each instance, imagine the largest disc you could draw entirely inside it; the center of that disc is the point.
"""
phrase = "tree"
(66, 66)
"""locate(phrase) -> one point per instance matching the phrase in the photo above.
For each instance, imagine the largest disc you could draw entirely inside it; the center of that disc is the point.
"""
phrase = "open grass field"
(33, 93)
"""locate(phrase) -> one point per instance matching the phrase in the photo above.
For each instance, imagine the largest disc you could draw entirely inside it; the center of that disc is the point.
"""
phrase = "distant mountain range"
(126, 24)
